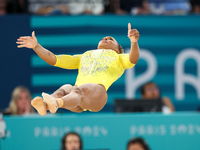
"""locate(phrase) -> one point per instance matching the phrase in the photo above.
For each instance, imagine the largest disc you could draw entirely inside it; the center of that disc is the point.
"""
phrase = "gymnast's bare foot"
(39, 105)
(51, 102)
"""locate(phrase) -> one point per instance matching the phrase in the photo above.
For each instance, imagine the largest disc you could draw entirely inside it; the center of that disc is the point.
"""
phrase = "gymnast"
(97, 70)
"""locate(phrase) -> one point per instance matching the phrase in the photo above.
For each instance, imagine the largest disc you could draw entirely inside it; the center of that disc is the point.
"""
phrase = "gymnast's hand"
(27, 41)
(133, 34)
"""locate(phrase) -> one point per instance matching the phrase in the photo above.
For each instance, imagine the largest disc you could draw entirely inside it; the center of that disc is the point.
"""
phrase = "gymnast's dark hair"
(121, 50)
(64, 139)
(139, 140)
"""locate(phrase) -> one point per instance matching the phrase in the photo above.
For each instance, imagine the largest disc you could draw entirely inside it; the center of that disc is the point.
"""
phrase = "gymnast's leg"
(94, 97)
(41, 105)
(54, 102)
(61, 92)
(87, 96)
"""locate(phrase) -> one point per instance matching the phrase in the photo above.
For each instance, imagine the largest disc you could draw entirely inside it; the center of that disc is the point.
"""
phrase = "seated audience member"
(145, 7)
(137, 144)
(134, 7)
(177, 7)
(48, 7)
(109, 6)
(157, 7)
(20, 103)
(3, 5)
(151, 91)
(195, 6)
(71, 141)
(62, 7)
(17, 6)
(93, 7)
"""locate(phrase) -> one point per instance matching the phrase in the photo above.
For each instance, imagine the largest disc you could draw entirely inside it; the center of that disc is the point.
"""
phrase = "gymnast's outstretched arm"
(135, 50)
(31, 42)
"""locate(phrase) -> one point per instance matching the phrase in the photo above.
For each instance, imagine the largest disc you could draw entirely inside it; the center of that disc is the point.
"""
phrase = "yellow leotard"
(96, 66)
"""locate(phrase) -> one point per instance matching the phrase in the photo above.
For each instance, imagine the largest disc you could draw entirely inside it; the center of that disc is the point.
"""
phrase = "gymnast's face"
(72, 142)
(109, 43)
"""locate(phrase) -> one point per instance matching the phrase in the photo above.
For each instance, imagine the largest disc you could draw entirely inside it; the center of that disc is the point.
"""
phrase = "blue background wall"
(164, 36)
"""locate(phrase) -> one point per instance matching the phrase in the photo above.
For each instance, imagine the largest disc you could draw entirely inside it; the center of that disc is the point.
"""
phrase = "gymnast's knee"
(61, 90)
(66, 89)
(66, 86)
(77, 90)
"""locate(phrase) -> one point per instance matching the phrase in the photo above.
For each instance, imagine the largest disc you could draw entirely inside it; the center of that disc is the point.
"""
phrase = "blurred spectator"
(71, 141)
(151, 91)
(177, 7)
(134, 7)
(109, 6)
(145, 7)
(157, 7)
(118, 7)
(137, 144)
(195, 6)
(48, 7)
(73, 7)
(20, 103)
(94, 7)
(3, 5)
(17, 6)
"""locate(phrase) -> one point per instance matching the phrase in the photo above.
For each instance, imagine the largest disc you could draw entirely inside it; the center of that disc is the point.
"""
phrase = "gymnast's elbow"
(133, 58)
(134, 61)
(51, 62)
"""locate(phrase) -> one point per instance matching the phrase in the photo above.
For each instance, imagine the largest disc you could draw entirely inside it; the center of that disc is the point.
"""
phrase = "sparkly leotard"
(96, 66)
